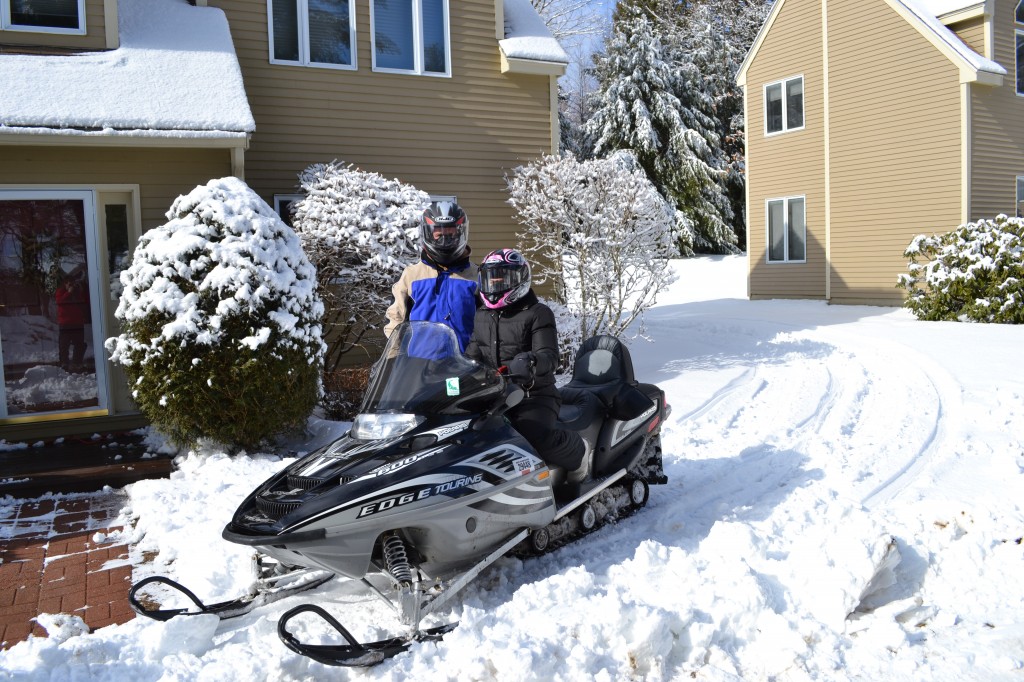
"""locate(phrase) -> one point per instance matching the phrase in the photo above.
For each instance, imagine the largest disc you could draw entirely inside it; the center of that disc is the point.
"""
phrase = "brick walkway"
(54, 559)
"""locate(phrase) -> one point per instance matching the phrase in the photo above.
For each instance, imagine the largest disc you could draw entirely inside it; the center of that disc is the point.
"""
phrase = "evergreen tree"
(651, 102)
(221, 321)
(715, 36)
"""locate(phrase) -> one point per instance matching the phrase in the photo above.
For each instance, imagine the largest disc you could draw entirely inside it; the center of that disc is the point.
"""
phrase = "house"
(868, 123)
(110, 110)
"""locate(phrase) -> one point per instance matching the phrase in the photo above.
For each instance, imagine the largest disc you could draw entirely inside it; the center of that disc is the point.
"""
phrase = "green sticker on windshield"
(452, 385)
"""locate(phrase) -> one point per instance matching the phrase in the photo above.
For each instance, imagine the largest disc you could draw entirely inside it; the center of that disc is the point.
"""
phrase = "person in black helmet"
(441, 287)
(515, 330)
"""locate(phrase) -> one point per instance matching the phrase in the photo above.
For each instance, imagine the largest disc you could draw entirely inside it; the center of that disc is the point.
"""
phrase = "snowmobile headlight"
(379, 426)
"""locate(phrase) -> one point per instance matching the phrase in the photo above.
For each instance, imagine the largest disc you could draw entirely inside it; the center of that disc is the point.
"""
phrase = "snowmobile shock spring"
(397, 559)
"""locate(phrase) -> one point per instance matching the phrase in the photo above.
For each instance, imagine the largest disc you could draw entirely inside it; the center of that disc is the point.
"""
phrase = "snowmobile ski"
(265, 591)
(356, 654)
(353, 654)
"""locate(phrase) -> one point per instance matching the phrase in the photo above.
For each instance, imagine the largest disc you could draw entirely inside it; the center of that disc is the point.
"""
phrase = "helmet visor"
(496, 279)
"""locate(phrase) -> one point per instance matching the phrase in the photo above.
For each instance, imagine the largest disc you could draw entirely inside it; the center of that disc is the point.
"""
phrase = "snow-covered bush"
(974, 273)
(221, 321)
(600, 233)
(359, 230)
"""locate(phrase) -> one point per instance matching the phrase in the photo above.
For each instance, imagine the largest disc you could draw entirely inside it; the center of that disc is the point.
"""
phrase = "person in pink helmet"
(514, 329)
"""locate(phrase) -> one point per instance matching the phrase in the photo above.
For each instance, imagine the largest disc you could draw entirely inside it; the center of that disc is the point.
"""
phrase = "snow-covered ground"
(843, 503)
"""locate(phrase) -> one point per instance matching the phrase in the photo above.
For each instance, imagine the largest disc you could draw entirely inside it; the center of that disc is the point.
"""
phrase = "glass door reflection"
(46, 307)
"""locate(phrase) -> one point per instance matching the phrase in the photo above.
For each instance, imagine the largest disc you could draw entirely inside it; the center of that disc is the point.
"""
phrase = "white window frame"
(89, 204)
(281, 198)
(785, 227)
(785, 118)
(7, 24)
(302, 7)
(1018, 34)
(417, 38)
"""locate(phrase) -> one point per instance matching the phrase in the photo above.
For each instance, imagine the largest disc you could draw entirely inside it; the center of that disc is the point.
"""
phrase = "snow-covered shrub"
(600, 232)
(359, 230)
(221, 320)
(974, 273)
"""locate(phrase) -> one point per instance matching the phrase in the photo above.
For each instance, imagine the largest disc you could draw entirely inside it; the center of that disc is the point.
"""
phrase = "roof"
(527, 36)
(938, 8)
(175, 75)
(921, 14)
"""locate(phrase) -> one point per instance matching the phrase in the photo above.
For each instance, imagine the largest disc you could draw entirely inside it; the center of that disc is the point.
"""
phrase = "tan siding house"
(910, 125)
(455, 133)
(98, 137)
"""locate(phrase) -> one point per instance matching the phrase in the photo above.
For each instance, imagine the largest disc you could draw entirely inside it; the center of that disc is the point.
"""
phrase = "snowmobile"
(432, 485)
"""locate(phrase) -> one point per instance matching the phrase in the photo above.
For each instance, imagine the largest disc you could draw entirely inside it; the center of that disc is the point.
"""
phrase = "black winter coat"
(526, 325)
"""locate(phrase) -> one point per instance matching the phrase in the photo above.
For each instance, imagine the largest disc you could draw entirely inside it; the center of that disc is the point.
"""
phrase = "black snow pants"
(536, 419)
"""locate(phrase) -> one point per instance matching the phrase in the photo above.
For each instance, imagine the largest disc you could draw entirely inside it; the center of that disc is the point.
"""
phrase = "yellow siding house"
(112, 108)
(868, 123)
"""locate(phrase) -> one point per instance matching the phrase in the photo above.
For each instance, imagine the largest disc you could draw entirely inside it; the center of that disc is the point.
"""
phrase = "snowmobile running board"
(225, 609)
(357, 654)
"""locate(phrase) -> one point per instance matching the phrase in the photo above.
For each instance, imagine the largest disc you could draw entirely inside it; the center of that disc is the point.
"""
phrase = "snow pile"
(844, 503)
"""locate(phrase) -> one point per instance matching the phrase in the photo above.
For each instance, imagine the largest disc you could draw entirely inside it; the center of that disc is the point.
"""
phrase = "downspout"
(238, 162)
(828, 162)
(746, 184)
(965, 152)
(556, 129)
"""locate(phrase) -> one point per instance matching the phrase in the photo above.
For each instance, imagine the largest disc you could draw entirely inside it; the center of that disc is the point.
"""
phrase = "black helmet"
(504, 278)
(444, 231)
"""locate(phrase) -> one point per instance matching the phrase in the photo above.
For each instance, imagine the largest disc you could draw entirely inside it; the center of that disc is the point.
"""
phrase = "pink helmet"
(504, 278)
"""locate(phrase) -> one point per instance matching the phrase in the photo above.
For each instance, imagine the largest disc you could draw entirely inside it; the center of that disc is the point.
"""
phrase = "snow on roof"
(940, 7)
(923, 10)
(174, 75)
(527, 36)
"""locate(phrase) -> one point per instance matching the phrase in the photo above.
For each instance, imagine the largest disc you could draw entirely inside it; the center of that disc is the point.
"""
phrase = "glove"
(521, 367)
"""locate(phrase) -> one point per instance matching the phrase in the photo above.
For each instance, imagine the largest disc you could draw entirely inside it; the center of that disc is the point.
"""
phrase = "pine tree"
(715, 36)
(651, 103)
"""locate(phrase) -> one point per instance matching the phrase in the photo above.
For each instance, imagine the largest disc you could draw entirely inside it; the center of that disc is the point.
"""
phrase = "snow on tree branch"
(600, 233)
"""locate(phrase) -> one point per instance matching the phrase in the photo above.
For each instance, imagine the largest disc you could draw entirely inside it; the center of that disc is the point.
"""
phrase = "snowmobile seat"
(604, 368)
(579, 409)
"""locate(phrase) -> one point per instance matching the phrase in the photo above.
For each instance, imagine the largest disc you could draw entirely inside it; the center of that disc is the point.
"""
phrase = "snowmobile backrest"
(603, 367)
(601, 360)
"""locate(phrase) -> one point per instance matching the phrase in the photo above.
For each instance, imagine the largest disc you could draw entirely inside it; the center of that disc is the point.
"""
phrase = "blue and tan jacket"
(430, 291)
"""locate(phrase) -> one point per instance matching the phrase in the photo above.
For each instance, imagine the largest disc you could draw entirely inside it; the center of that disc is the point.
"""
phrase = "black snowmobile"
(432, 485)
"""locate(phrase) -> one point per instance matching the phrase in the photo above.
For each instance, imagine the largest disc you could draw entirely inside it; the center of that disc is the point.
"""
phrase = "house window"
(1019, 13)
(784, 105)
(787, 230)
(43, 16)
(284, 204)
(410, 36)
(312, 33)
(1020, 196)
(1020, 62)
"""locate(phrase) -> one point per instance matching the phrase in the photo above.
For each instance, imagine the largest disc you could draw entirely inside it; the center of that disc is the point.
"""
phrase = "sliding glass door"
(53, 359)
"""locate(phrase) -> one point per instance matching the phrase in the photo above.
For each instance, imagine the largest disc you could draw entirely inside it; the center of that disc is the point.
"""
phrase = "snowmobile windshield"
(423, 372)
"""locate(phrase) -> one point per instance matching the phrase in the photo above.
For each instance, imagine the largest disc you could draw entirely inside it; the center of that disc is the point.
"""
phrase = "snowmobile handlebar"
(513, 395)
